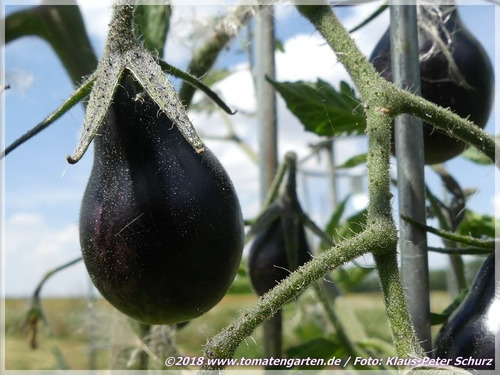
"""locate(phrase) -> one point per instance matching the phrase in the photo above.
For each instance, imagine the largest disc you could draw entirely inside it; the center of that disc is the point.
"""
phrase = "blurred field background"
(89, 334)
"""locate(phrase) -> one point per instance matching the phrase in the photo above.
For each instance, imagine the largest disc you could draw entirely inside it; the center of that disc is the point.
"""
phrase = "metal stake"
(266, 104)
(410, 168)
(266, 98)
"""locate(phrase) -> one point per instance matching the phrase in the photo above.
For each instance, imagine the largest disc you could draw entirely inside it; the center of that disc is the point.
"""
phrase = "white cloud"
(58, 242)
(26, 198)
(20, 80)
(190, 25)
(237, 90)
(307, 57)
(96, 15)
(28, 219)
(33, 247)
(241, 169)
(187, 30)
(17, 228)
(243, 172)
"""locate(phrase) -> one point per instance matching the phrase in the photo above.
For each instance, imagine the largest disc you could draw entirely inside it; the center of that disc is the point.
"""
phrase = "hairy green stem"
(447, 121)
(375, 94)
(379, 237)
(361, 71)
(402, 331)
(379, 94)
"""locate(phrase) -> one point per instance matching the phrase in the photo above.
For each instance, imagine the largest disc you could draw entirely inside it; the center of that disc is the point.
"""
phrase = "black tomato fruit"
(161, 228)
(455, 73)
(267, 260)
(469, 335)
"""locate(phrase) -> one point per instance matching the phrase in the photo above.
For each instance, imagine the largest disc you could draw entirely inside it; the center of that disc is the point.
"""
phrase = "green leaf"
(352, 226)
(63, 28)
(215, 75)
(477, 225)
(318, 348)
(335, 219)
(437, 319)
(347, 279)
(370, 18)
(456, 206)
(241, 283)
(278, 46)
(309, 329)
(438, 209)
(322, 109)
(479, 243)
(354, 161)
(442, 318)
(152, 23)
(474, 155)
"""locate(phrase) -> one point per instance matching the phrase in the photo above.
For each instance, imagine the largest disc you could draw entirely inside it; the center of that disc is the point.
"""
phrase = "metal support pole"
(266, 104)
(266, 98)
(330, 150)
(410, 168)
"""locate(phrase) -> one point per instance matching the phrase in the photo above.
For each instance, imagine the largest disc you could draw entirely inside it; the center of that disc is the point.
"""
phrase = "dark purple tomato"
(469, 335)
(267, 260)
(161, 228)
(466, 85)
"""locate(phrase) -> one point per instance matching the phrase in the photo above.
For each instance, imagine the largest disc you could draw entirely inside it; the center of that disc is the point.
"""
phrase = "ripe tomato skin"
(161, 228)
(468, 93)
(267, 259)
(472, 328)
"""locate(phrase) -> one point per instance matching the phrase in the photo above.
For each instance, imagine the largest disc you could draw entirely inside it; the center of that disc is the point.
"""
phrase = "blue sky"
(43, 192)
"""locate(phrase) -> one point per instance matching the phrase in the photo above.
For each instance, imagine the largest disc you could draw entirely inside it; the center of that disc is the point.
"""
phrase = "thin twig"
(75, 98)
(460, 250)
(467, 240)
(205, 57)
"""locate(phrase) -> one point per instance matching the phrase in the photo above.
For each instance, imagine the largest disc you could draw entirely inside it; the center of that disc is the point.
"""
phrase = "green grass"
(62, 339)
(63, 342)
